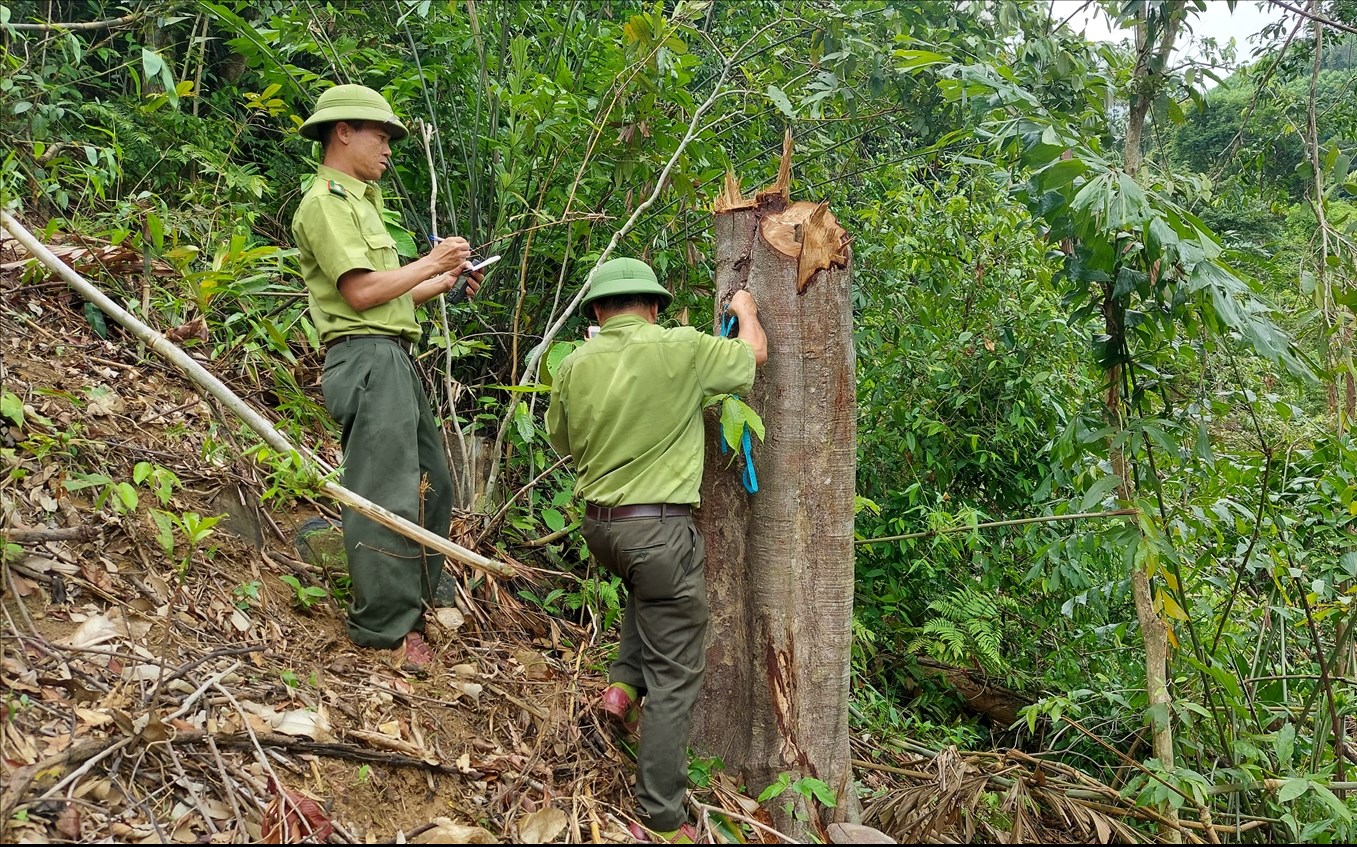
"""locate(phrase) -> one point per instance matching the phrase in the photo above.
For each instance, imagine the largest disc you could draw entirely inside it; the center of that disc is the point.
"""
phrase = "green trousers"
(391, 444)
(661, 654)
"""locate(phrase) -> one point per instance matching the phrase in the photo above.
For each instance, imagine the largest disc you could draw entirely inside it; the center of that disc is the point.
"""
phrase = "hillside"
(162, 689)
(138, 674)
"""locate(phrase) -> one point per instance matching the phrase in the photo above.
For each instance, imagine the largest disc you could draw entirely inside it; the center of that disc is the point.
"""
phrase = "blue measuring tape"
(748, 477)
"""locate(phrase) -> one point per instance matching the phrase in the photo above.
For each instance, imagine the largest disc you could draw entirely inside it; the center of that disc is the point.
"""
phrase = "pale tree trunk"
(1152, 55)
(780, 562)
(1337, 327)
(1328, 309)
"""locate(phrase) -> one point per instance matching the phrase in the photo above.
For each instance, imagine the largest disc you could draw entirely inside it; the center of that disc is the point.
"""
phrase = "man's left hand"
(448, 281)
(473, 283)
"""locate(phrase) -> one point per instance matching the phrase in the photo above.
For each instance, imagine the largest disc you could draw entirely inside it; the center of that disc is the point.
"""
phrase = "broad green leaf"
(822, 792)
(1338, 807)
(557, 353)
(1157, 716)
(554, 520)
(405, 243)
(732, 421)
(1285, 744)
(1293, 788)
(164, 523)
(1098, 491)
(780, 99)
(753, 419)
(523, 422)
(151, 63)
(11, 407)
(127, 495)
(913, 59)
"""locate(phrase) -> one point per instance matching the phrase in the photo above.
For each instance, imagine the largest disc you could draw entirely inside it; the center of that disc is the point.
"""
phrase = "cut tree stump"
(779, 563)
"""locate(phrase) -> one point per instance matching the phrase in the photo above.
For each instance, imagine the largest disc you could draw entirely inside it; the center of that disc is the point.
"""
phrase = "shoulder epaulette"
(337, 189)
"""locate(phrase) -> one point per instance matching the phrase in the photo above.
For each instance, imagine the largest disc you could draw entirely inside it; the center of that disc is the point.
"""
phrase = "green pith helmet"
(352, 103)
(624, 276)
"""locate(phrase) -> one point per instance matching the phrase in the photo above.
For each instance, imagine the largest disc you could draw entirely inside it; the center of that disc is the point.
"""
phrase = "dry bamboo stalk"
(168, 350)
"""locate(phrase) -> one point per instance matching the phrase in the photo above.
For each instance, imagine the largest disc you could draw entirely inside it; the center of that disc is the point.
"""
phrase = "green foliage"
(735, 416)
(12, 408)
(290, 476)
(701, 768)
(121, 496)
(191, 527)
(160, 480)
(303, 596)
(967, 625)
(246, 594)
(808, 788)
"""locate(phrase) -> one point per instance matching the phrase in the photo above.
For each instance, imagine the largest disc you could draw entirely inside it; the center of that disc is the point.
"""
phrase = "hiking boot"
(414, 655)
(685, 834)
(620, 706)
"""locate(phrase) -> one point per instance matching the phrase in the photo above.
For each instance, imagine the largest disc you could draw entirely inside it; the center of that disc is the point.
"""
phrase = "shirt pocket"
(381, 248)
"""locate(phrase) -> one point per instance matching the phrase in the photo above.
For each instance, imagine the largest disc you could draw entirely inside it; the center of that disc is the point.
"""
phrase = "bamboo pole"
(196, 372)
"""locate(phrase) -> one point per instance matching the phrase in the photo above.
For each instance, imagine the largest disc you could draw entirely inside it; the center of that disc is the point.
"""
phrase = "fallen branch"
(41, 534)
(336, 749)
(990, 524)
(190, 368)
(18, 781)
(982, 696)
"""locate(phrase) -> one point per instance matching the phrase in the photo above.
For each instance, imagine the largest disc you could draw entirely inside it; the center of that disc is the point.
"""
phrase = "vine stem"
(450, 388)
(1017, 522)
(535, 356)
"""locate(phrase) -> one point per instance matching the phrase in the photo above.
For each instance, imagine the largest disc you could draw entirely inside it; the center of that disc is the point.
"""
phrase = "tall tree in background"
(1156, 30)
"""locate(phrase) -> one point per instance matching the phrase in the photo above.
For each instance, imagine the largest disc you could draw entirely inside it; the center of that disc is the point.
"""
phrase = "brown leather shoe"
(685, 834)
(621, 708)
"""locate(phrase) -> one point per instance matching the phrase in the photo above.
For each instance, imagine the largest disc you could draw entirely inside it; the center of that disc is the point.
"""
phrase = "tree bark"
(780, 562)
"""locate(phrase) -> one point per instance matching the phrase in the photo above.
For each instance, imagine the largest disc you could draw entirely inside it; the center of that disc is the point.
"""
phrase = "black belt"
(643, 510)
(400, 341)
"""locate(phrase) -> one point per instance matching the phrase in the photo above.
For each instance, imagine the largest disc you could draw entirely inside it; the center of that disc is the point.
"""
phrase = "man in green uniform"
(363, 305)
(627, 406)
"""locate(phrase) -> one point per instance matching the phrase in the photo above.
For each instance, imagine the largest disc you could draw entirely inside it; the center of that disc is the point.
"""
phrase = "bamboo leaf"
(1338, 807)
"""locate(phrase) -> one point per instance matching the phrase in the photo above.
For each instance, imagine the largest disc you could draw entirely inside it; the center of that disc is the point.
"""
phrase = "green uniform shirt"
(628, 406)
(338, 228)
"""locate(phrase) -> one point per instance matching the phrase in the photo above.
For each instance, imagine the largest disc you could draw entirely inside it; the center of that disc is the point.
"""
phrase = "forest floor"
(192, 695)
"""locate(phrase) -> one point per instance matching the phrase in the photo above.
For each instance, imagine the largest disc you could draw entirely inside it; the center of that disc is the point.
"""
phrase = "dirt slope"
(186, 694)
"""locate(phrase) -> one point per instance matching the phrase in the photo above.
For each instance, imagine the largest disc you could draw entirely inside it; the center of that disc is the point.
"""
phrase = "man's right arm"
(746, 311)
(363, 288)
